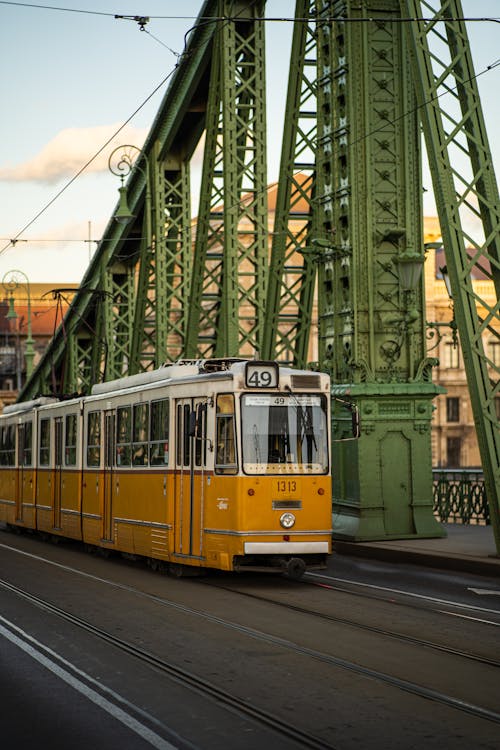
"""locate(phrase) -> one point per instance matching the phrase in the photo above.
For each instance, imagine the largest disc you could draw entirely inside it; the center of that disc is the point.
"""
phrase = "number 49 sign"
(261, 375)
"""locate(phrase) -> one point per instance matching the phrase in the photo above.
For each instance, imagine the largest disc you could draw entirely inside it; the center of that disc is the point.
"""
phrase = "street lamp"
(121, 163)
(409, 265)
(436, 326)
(10, 283)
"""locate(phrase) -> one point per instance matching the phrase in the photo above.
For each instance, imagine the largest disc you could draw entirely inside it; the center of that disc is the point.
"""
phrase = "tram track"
(363, 626)
(233, 702)
(182, 676)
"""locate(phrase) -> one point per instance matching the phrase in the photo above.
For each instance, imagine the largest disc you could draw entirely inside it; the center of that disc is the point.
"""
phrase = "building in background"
(48, 306)
(454, 442)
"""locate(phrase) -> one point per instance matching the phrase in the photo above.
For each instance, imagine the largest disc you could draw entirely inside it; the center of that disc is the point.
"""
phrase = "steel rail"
(206, 688)
(369, 628)
(182, 676)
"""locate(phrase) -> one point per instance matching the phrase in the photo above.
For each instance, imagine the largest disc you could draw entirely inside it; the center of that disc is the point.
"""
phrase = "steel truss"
(227, 303)
(466, 190)
(347, 208)
(292, 270)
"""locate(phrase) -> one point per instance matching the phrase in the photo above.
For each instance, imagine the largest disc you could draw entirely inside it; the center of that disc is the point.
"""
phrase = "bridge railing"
(460, 496)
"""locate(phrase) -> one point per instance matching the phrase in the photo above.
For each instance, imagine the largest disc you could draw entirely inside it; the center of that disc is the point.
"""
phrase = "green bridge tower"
(366, 77)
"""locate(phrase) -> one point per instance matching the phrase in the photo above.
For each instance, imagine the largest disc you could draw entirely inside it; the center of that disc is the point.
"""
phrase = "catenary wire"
(179, 56)
(271, 19)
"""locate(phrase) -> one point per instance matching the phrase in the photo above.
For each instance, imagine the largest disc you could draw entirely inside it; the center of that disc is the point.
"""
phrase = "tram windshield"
(284, 434)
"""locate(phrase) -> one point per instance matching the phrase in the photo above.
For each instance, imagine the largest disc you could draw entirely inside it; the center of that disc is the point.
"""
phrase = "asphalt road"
(365, 655)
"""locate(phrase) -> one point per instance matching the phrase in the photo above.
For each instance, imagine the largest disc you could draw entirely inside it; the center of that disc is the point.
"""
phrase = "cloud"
(67, 153)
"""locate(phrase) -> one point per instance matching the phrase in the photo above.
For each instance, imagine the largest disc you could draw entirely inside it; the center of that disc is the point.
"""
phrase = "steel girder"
(164, 273)
(227, 302)
(292, 270)
(369, 196)
(372, 325)
(135, 307)
(149, 255)
(465, 189)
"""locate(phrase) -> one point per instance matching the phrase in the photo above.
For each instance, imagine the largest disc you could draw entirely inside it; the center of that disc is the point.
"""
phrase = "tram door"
(109, 460)
(20, 475)
(190, 462)
(57, 484)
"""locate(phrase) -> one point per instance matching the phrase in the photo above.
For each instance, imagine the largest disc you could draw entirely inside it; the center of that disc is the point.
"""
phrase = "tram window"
(8, 453)
(186, 435)
(123, 435)
(44, 454)
(178, 441)
(158, 446)
(140, 434)
(284, 432)
(26, 442)
(94, 438)
(200, 443)
(11, 445)
(225, 460)
(7, 446)
(70, 440)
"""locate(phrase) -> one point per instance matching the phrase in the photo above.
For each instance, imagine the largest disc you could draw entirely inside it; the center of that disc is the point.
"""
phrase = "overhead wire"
(365, 136)
(267, 19)
(89, 162)
(15, 239)
(142, 20)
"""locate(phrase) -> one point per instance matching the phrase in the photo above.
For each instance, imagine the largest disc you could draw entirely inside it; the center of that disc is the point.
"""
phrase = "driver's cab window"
(225, 457)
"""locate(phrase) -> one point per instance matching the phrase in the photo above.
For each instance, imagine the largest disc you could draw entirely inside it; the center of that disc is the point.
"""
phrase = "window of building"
(70, 440)
(44, 454)
(453, 409)
(94, 438)
(494, 352)
(453, 452)
(452, 355)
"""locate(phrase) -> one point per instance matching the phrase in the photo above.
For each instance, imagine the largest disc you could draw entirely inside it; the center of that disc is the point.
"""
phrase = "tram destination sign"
(287, 401)
(261, 375)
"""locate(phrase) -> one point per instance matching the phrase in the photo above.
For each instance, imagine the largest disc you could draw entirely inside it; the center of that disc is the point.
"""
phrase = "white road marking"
(119, 714)
(315, 575)
(484, 592)
(467, 617)
(407, 593)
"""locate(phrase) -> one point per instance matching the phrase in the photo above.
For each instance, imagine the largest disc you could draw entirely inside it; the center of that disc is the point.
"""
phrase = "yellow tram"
(212, 463)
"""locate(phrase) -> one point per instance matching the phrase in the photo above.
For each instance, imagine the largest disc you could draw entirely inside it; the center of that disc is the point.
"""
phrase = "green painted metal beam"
(372, 328)
(292, 271)
(227, 302)
(466, 193)
(174, 134)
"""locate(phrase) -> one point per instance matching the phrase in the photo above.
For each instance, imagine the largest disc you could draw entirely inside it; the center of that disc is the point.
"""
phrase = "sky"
(71, 79)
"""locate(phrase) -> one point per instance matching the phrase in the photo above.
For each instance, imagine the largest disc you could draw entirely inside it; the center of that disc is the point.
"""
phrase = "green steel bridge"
(366, 77)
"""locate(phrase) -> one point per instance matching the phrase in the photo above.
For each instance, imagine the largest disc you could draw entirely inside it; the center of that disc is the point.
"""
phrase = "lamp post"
(129, 160)
(436, 326)
(121, 163)
(10, 283)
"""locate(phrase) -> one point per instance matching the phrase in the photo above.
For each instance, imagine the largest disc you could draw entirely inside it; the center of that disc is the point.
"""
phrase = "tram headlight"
(287, 520)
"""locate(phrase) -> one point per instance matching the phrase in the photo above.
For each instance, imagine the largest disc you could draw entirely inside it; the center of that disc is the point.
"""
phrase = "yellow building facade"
(454, 441)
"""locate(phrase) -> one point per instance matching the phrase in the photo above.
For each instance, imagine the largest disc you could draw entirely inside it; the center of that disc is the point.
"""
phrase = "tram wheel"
(295, 568)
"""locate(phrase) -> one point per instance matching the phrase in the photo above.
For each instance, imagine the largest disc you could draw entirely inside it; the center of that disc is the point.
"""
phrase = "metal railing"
(460, 497)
